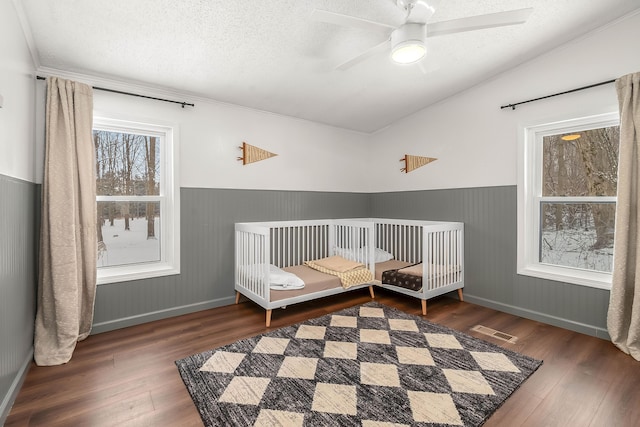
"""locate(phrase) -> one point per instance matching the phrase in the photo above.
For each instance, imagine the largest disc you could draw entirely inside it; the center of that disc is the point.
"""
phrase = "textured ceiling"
(270, 55)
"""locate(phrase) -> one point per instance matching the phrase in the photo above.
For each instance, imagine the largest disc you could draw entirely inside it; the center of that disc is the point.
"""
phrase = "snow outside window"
(567, 182)
(137, 200)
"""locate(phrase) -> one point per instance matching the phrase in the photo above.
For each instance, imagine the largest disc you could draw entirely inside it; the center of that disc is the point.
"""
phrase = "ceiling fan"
(407, 42)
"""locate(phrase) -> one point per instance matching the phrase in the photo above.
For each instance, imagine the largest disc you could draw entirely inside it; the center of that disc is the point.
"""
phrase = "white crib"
(438, 246)
(287, 244)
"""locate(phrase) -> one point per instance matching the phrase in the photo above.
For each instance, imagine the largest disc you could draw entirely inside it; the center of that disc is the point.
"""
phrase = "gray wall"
(489, 214)
(18, 201)
(490, 218)
(207, 227)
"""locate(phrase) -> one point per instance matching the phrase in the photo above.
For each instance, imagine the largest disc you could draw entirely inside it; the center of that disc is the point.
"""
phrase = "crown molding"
(121, 85)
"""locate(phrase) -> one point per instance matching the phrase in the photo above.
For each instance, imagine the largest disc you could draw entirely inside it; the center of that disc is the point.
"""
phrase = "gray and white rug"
(370, 366)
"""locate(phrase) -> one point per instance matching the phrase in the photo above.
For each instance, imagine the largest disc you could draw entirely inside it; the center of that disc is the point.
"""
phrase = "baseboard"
(571, 325)
(16, 385)
(138, 319)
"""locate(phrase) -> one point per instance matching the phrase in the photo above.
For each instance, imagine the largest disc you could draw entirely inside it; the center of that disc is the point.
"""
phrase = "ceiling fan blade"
(382, 47)
(479, 22)
(348, 21)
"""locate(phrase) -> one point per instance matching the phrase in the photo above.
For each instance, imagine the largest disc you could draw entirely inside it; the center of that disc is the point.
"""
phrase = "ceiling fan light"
(408, 43)
(408, 52)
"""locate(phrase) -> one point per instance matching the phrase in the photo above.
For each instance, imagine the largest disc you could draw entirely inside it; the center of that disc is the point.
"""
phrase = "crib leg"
(371, 292)
(237, 297)
(460, 294)
(424, 306)
(268, 318)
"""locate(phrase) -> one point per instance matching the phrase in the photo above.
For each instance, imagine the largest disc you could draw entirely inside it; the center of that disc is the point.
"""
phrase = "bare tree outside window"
(579, 171)
(127, 168)
(150, 146)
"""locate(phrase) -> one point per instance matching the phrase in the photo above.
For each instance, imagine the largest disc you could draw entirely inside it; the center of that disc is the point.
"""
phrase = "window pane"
(577, 235)
(583, 163)
(126, 163)
(128, 233)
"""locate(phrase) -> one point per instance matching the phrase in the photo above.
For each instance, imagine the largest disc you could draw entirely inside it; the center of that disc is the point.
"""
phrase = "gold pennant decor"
(252, 154)
(414, 162)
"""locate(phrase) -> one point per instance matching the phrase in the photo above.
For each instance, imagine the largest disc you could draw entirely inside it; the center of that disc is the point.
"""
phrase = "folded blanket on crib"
(414, 270)
(350, 273)
(397, 277)
(336, 263)
(436, 270)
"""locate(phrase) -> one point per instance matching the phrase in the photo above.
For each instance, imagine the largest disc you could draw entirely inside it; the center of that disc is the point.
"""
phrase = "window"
(137, 200)
(567, 200)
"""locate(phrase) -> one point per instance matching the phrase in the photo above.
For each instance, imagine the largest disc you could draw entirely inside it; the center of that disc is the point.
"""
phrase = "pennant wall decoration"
(252, 154)
(414, 162)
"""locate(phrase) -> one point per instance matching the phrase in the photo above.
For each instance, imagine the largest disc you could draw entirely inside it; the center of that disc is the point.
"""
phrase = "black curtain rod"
(134, 94)
(513, 106)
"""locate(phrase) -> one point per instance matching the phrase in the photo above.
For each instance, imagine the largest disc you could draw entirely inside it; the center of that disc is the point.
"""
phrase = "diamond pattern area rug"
(370, 366)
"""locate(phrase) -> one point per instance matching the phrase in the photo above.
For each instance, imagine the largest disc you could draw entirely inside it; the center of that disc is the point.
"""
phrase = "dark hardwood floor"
(128, 377)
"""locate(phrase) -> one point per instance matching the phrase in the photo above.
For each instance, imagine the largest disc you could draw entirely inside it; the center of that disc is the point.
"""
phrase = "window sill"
(137, 272)
(592, 279)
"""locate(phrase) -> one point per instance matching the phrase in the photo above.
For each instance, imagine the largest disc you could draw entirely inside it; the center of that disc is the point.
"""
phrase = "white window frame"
(530, 197)
(169, 199)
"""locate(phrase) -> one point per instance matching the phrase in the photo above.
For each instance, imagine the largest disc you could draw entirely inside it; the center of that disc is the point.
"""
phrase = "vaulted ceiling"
(273, 55)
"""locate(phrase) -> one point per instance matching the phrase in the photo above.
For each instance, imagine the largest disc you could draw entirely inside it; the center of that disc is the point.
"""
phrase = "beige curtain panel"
(68, 240)
(623, 321)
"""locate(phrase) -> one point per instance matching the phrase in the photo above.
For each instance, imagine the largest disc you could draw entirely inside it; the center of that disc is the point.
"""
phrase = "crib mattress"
(314, 281)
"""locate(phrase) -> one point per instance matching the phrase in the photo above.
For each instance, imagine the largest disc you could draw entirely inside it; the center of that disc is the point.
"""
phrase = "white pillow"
(355, 254)
(360, 254)
(380, 255)
(278, 278)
